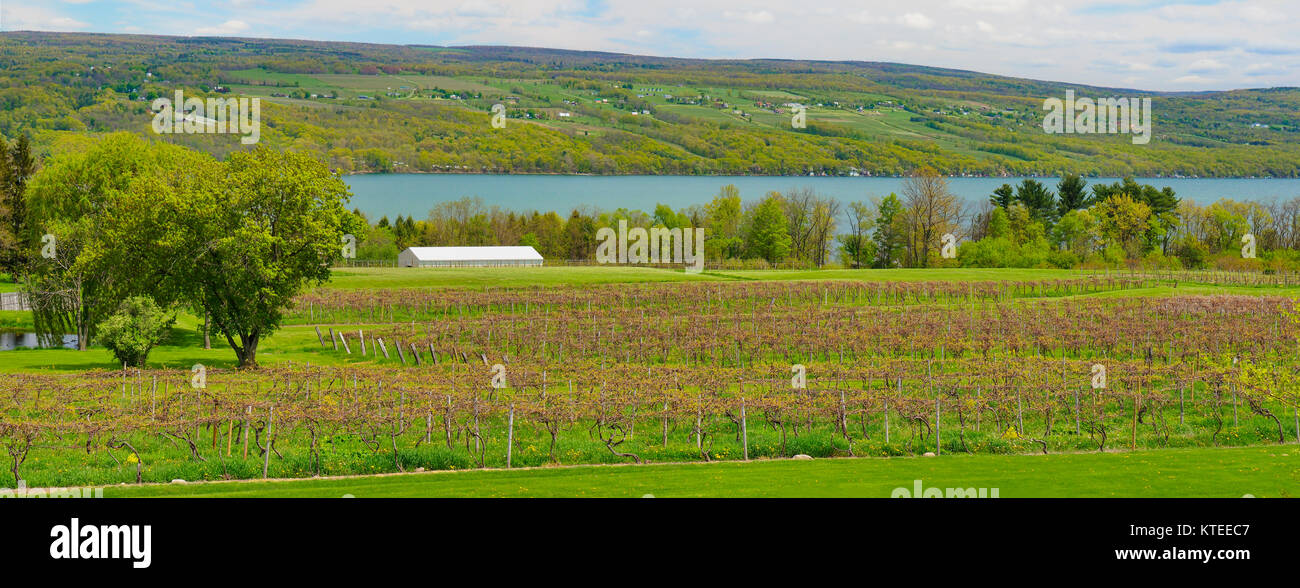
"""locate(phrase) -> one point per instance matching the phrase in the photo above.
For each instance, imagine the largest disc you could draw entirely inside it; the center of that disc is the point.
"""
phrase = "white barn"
(469, 257)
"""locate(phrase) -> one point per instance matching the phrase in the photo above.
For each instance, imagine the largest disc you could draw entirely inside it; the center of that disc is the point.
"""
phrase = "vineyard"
(461, 379)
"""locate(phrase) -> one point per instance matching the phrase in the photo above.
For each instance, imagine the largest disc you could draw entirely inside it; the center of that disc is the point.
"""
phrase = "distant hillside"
(390, 108)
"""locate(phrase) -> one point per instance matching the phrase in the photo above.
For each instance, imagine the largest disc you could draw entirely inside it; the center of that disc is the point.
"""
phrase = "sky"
(1143, 44)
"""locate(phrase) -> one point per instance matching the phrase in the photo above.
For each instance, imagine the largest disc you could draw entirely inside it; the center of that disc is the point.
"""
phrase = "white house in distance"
(469, 257)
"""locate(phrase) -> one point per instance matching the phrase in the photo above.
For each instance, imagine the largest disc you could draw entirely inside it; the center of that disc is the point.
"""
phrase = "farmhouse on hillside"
(469, 257)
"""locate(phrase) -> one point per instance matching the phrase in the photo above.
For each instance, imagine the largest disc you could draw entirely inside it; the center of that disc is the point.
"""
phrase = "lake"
(414, 194)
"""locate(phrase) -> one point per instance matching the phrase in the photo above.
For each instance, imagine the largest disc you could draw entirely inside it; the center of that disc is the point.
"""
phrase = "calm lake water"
(11, 340)
(414, 194)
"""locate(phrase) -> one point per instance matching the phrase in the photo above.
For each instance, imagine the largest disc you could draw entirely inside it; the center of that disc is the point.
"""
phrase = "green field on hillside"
(630, 114)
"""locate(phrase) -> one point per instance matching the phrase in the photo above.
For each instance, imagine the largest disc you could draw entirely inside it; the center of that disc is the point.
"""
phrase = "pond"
(11, 340)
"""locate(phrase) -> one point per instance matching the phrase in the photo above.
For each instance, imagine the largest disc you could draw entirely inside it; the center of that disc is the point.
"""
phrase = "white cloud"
(230, 27)
(751, 16)
(995, 6)
(1206, 65)
(1097, 43)
(916, 20)
(27, 17)
(480, 8)
(866, 17)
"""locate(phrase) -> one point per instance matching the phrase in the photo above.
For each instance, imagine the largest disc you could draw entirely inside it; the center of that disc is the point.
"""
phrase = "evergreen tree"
(1003, 196)
(1040, 201)
(1071, 195)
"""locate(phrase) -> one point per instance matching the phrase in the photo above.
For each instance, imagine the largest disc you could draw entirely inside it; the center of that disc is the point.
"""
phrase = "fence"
(14, 301)
(1216, 277)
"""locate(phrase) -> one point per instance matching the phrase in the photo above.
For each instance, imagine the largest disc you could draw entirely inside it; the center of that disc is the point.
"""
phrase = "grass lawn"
(1214, 472)
(292, 343)
(19, 320)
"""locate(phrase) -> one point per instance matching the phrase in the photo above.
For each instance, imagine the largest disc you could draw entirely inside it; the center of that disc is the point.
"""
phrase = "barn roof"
(513, 253)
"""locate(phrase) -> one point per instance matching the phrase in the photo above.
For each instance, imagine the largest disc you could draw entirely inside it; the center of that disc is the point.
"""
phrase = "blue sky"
(1147, 44)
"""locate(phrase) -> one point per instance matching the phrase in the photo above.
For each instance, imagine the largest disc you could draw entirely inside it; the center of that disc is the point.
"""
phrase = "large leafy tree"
(1162, 203)
(889, 232)
(16, 168)
(724, 213)
(768, 235)
(1123, 220)
(101, 209)
(265, 233)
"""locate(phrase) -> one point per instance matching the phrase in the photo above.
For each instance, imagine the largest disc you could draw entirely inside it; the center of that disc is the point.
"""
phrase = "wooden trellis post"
(510, 435)
(938, 440)
(744, 429)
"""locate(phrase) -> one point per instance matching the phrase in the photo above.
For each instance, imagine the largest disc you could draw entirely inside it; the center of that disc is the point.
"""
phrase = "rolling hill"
(410, 108)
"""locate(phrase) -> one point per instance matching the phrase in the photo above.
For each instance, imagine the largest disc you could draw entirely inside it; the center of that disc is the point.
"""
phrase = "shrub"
(135, 329)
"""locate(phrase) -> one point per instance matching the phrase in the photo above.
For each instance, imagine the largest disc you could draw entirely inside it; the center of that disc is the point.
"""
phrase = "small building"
(469, 257)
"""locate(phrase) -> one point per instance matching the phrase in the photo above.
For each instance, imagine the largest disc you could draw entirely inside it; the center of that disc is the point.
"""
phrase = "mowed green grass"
(296, 343)
(1212, 472)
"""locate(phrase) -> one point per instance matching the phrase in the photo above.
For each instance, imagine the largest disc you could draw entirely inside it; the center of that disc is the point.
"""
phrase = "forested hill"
(390, 108)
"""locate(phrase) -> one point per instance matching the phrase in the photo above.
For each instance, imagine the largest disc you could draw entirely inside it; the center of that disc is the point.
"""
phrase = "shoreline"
(860, 177)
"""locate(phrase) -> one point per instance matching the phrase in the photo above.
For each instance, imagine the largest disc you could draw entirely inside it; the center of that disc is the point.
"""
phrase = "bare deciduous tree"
(930, 210)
